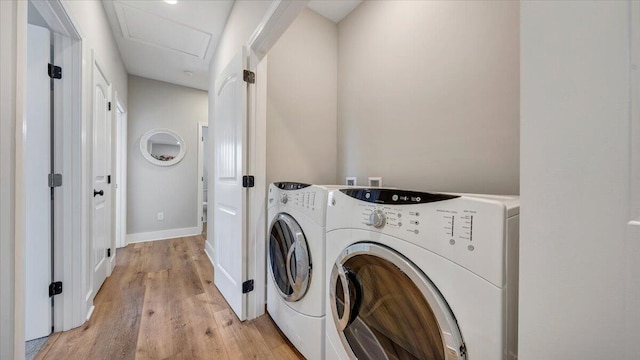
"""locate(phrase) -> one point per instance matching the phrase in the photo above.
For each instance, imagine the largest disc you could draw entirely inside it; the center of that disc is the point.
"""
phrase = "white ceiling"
(161, 41)
(334, 10)
(164, 42)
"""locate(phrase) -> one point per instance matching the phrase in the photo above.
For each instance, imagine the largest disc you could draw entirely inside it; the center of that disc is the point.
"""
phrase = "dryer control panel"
(466, 230)
(311, 200)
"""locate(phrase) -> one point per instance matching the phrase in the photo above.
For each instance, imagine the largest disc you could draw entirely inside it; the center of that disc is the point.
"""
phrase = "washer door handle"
(292, 248)
(341, 321)
(302, 266)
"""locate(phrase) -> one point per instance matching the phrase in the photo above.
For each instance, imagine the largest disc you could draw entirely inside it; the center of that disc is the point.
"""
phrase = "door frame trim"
(68, 312)
(120, 178)
(277, 19)
(200, 181)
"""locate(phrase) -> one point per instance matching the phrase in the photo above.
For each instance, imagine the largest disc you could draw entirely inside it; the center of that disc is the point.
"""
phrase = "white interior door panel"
(230, 198)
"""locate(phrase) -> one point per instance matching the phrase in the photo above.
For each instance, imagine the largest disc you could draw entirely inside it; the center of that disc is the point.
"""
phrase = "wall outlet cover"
(375, 181)
(351, 181)
(160, 216)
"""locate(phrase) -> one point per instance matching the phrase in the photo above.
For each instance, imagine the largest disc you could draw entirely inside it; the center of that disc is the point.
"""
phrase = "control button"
(377, 219)
(399, 215)
(399, 224)
(470, 247)
(416, 231)
(394, 197)
(452, 242)
(367, 195)
(417, 213)
(284, 198)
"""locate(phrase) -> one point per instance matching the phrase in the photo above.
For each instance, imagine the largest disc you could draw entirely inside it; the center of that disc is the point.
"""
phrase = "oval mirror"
(162, 147)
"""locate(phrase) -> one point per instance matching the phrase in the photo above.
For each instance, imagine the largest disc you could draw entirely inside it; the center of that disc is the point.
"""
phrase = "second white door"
(101, 177)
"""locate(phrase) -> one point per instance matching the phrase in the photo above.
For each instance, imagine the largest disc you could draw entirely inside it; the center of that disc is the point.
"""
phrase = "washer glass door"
(289, 258)
(384, 307)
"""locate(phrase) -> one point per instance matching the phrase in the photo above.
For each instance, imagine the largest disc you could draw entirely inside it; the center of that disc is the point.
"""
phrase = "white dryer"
(296, 248)
(415, 275)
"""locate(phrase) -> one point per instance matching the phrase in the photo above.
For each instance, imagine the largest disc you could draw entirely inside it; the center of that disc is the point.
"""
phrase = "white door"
(38, 193)
(101, 165)
(229, 209)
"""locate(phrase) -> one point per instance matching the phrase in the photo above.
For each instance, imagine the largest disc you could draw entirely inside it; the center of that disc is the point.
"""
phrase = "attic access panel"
(145, 27)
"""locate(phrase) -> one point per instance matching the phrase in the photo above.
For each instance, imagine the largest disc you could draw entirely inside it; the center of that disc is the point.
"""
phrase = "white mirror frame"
(151, 159)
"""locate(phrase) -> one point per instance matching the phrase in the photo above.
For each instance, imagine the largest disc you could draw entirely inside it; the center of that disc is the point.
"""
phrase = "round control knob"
(284, 198)
(377, 219)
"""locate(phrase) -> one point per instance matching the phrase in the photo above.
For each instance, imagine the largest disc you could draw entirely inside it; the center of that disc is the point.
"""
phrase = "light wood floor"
(160, 303)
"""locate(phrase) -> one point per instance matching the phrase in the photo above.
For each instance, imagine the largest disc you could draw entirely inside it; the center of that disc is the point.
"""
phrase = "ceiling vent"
(142, 26)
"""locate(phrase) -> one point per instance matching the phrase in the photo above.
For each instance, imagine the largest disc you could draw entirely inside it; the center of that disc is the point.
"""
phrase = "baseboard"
(90, 312)
(208, 249)
(163, 235)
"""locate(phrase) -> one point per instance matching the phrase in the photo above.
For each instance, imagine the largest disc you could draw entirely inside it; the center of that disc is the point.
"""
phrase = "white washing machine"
(415, 275)
(296, 248)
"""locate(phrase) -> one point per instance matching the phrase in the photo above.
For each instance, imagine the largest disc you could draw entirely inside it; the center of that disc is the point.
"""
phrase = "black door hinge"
(108, 179)
(109, 252)
(55, 288)
(249, 77)
(55, 72)
(55, 180)
(248, 181)
(247, 286)
(109, 105)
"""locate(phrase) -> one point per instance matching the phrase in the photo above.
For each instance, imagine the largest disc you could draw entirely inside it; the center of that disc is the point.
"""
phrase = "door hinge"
(109, 252)
(55, 180)
(109, 105)
(55, 288)
(249, 77)
(247, 286)
(248, 181)
(55, 72)
(108, 179)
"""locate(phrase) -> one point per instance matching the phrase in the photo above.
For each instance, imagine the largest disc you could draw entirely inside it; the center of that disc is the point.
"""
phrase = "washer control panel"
(468, 231)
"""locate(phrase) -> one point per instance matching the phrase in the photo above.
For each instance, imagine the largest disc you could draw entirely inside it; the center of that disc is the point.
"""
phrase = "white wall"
(428, 95)
(172, 189)
(302, 102)
(9, 22)
(94, 27)
(575, 296)
(242, 22)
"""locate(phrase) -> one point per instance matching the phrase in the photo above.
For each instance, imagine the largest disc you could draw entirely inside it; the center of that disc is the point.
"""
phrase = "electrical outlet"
(160, 216)
(375, 182)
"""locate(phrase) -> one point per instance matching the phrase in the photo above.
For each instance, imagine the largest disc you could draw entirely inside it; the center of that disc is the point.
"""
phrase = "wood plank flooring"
(160, 303)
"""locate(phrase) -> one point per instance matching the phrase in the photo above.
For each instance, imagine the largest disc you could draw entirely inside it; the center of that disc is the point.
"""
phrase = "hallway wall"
(172, 189)
(94, 26)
